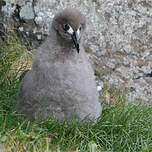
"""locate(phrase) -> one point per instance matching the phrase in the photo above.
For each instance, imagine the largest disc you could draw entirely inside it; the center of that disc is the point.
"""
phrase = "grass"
(121, 127)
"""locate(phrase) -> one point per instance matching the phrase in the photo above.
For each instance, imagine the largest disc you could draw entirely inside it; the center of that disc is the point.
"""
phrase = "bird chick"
(61, 84)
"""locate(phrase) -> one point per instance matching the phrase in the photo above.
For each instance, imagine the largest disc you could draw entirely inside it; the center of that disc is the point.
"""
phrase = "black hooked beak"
(75, 41)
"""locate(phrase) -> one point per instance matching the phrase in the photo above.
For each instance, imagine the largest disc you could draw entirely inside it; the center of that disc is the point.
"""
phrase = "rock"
(118, 37)
(27, 12)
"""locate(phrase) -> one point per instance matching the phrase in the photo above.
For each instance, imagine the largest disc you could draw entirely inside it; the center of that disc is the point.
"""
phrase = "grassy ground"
(121, 127)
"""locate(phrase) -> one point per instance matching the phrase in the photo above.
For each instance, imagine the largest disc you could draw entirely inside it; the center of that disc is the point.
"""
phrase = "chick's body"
(61, 83)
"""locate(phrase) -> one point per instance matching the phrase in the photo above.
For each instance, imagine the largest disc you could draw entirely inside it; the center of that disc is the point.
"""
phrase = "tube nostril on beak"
(75, 41)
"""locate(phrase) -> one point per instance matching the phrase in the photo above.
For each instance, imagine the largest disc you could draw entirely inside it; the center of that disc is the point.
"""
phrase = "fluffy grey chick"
(61, 83)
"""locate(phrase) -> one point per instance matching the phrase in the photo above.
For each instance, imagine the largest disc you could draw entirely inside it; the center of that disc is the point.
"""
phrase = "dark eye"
(66, 27)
